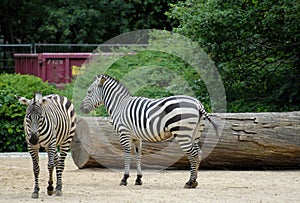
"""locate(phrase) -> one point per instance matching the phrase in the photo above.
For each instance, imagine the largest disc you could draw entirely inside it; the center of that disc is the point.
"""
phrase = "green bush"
(12, 112)
(147, 73)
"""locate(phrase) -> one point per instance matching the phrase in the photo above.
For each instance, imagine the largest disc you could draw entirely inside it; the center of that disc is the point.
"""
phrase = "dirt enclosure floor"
(102, 185)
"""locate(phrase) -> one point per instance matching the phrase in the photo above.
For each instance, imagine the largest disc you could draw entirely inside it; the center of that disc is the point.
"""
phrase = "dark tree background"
(254, 44)
(80, 21)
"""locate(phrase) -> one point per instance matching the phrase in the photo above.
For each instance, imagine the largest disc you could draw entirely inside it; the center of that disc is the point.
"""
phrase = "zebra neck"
(51, 114)
(114, 95)
(115, 104)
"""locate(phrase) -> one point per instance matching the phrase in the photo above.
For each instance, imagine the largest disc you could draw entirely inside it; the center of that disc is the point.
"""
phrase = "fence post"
(34, 48)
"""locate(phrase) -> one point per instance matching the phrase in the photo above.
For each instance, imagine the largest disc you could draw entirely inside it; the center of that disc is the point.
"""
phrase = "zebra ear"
(43, 101)
(23, 100)
(102, 80)
(97, 77)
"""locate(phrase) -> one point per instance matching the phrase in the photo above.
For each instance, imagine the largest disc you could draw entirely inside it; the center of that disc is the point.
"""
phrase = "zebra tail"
(211, 121)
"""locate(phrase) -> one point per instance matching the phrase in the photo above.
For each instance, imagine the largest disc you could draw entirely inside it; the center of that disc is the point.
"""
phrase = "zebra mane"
(33, 108)
(107, 77)
(38, 95)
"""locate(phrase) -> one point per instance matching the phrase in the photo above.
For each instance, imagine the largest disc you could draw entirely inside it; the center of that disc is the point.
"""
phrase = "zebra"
(138, 118)
(50, 121)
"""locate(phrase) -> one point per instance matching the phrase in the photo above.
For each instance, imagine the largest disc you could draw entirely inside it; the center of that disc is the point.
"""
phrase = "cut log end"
(79, 154)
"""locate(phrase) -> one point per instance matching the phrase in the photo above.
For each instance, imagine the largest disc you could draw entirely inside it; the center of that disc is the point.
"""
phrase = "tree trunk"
(248, 141)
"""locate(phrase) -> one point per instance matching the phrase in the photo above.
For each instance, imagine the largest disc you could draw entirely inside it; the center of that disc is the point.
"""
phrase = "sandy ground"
(102, 185)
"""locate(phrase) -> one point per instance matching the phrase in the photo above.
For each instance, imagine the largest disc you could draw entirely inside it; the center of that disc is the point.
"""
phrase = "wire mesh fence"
(64, 48)
(7, 51)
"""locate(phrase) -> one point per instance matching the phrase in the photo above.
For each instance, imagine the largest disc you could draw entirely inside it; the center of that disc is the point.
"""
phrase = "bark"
(248, 141)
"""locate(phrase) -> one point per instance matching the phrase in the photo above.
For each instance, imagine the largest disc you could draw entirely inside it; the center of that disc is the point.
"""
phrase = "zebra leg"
(60, 168)
(137, 146)
(52, 161)
(34, 152)
(194, 155)
(126, 142)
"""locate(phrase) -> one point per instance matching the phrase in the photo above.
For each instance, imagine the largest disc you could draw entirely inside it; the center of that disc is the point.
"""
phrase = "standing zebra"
(49, 122)
(154, 120)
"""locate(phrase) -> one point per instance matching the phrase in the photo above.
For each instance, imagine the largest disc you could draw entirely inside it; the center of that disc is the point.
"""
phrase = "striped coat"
(154, 120)
(50, 121)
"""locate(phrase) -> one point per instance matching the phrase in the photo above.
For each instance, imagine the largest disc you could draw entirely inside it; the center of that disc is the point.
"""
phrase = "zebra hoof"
(124, 183)
(124, 180)
(58, 193)
(138, 182)
(35, 195)
(191, 184)
(50, 190)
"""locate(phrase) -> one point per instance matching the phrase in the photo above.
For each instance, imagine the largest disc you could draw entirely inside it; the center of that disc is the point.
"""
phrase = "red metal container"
(52, 67)
(27, 64)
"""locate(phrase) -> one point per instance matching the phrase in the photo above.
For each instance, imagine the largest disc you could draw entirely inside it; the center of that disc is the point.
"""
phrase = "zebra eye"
(89, 91)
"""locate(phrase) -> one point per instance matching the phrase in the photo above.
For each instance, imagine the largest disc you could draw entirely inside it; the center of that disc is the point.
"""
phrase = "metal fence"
(64, 48)
(7, 51)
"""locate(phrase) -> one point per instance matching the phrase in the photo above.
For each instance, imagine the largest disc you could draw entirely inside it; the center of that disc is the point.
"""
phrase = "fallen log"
(248, 141)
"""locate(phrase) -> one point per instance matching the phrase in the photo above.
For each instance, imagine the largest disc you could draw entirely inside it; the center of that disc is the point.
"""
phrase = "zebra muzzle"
(34, 139)
(83, 109)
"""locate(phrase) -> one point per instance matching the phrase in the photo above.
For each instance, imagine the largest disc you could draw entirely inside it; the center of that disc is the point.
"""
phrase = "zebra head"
(94, 96)
(34, 116)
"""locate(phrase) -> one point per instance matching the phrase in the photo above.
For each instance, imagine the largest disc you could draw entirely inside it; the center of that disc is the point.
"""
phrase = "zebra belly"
(151, 133)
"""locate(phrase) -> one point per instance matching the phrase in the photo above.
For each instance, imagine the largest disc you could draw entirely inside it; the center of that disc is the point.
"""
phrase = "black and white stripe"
(49, 122)
(154, 120)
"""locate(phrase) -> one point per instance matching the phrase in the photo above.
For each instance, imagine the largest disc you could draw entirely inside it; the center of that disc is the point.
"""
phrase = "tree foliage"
(83, 21)
(255, 45)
